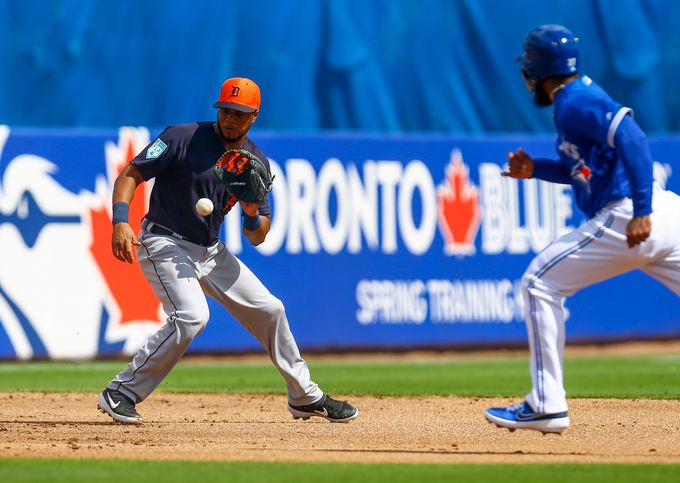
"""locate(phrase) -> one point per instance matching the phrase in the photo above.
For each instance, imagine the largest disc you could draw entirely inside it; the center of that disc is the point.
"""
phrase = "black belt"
(156, 229)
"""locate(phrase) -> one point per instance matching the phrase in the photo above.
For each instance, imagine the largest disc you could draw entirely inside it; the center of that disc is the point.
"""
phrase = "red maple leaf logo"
(127, 284)
(458, 208)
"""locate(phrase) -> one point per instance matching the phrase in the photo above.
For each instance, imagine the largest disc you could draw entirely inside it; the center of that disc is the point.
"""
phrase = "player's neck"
(553, 86)
(226, 142)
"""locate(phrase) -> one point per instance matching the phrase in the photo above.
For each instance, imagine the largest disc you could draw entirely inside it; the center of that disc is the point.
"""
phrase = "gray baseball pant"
(181, 273)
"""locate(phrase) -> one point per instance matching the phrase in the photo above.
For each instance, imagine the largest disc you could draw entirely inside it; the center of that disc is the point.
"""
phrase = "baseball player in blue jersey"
(632, 223)
(182, 257)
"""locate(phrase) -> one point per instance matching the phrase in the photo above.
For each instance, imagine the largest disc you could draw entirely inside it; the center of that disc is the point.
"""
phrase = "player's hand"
(638, 230)
(122, 241)
(250, 208)
(520, 165)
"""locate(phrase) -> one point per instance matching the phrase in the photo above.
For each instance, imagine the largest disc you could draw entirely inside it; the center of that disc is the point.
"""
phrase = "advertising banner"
(376, 242)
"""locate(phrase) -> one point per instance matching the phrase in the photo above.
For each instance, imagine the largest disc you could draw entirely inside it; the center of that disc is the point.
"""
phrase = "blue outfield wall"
(376, 243)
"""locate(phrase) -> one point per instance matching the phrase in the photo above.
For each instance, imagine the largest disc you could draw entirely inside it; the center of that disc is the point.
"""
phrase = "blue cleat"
(522, 416)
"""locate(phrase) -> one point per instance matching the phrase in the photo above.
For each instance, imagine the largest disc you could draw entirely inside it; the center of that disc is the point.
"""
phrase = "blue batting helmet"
(549, 50)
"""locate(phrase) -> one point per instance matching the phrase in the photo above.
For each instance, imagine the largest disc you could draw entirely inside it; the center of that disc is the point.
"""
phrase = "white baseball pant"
(594, 252)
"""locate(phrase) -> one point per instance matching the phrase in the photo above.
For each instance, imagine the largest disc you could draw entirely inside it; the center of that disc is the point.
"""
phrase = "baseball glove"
(244, 175)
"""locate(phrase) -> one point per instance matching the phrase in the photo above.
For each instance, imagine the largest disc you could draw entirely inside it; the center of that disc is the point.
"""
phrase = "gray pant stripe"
(171, 319)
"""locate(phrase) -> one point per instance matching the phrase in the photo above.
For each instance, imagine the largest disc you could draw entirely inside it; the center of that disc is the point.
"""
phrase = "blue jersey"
(181, 162)
(603, 153)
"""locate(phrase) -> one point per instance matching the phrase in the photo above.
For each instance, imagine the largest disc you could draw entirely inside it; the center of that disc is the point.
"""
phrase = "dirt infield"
(389, 429)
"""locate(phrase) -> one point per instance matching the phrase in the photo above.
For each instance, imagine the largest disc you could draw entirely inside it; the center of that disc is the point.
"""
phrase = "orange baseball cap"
(239, 93)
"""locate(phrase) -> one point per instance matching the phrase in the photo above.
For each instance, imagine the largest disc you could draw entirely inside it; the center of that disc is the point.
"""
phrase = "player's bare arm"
(258, 235)
(638, 230)
(182, 235)
(123, 238)
(520, 165)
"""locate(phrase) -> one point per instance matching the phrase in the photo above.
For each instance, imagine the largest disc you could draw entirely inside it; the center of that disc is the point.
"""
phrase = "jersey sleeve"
(155, 158)
(595, 118)
(551, 170)
(633, 151)
(265, 208)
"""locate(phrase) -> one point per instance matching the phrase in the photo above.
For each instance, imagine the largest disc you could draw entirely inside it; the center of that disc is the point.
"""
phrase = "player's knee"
(530, 285)
(193, 321)
(526, 283)
(545, 287)
(274, 307)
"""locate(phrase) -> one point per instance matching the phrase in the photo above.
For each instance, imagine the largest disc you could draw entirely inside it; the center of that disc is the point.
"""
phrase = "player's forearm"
(125, 185)
(257, 236)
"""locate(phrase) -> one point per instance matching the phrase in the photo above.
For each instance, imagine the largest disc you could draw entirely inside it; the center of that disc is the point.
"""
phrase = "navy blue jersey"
(603, 154)
(181, 162)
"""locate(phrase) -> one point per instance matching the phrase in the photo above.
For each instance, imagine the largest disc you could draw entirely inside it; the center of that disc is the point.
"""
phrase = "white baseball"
(204, 207)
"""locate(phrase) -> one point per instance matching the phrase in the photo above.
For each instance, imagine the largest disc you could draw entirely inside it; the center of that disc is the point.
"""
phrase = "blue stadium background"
(376, 65)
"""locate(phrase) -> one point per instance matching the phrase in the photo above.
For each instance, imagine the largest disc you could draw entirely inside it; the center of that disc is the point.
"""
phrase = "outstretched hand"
(520, 165)
(122, 241)
(638, 230)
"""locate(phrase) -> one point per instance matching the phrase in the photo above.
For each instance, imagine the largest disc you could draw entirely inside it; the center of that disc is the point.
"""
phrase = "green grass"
(25, 470)
(656, 377)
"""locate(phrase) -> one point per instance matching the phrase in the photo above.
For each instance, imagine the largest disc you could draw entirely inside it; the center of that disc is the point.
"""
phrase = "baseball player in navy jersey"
(631, 222)
(182, 257)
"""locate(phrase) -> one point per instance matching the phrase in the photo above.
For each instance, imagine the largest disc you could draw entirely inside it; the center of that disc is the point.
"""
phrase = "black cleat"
(327, 408)
(118, 406)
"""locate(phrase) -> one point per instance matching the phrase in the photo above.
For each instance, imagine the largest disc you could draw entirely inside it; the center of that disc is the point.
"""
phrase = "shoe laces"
(332, 404)
(125, 402)
(515, 407)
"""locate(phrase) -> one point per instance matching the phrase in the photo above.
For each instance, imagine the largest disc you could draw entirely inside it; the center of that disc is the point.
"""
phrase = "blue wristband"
(251, 223)
(120, 212)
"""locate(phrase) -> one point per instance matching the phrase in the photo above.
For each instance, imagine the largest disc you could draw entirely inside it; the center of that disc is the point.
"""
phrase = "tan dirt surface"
(389, 429)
